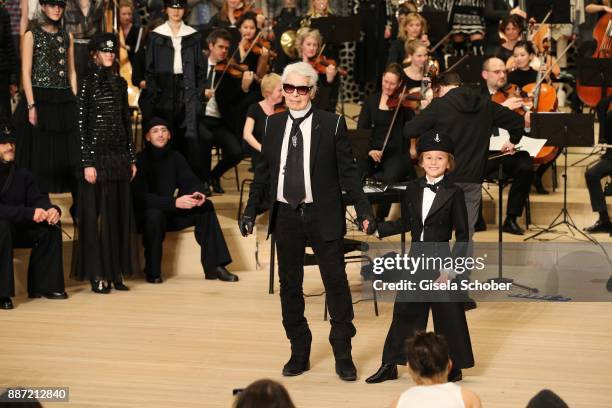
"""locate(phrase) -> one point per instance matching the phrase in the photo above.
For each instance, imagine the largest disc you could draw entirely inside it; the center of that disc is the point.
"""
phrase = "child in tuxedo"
(432, 206)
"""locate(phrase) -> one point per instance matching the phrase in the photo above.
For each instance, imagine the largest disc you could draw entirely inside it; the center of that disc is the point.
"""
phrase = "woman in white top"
(429, 367)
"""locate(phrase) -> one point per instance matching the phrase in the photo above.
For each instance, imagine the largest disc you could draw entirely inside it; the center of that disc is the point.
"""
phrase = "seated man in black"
(27, 219)
(161, 171)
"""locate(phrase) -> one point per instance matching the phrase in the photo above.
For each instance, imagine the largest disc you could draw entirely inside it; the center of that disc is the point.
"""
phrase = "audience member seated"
(429, 367)
(161, 171)
(27, 219)
(264, 393)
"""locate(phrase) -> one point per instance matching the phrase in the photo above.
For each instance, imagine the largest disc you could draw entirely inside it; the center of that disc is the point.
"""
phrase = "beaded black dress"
(105, 246)
(50, 149)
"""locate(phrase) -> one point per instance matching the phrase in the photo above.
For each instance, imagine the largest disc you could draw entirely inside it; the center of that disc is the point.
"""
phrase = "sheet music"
(528, 144)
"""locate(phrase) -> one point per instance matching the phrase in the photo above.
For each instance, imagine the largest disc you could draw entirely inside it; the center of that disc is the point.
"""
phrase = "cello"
(602, 33)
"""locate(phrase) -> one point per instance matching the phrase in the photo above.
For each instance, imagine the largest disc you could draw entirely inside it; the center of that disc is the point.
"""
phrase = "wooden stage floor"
(189, 342)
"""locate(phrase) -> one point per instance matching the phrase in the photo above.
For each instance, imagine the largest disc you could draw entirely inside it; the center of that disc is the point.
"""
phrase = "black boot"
(537, 183)
(345, 368)
(386, 372)
(601, 225)
(511, 226)
(300, 357)
(216, 186)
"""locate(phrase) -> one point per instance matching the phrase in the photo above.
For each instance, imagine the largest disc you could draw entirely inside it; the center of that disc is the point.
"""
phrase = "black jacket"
(159, 77)
(160, 173)
(105, 126)
(468, 117)
(8, 57)
(331, 170)
(448, 212)
(367, 120)
(19, 197)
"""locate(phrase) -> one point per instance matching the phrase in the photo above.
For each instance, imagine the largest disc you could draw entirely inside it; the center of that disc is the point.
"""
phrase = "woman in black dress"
(105, 247)
(258, 113)
(45, 118)
(394, 163)
(512, 29)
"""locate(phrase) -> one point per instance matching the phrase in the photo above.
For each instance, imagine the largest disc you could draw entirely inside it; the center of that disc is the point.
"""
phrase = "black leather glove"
(246, 224)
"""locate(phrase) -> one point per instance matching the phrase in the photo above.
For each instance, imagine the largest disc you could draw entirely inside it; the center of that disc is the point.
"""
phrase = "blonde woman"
(271, 90)
(414, 27)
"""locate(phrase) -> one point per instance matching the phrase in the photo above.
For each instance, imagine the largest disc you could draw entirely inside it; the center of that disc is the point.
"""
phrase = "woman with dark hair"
(46, 118)
(105, 248)
(430, 365)
(175, 76)
(393, 163)
(264, 393)
(511, 29)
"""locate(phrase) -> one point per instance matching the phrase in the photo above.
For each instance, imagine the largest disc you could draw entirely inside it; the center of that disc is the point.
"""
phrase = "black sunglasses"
(301, 90)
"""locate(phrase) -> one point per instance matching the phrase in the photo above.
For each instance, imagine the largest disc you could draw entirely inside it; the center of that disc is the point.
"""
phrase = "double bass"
(602, 33)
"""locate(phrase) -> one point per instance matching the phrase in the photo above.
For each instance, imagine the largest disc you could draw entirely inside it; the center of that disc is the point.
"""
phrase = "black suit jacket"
(331, 170)
(448, 212)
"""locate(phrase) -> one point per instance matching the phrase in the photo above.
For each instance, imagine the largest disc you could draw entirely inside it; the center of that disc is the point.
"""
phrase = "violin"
(320, 64)
(409, 100)
(257, 47)
(232, 68)
(510, 90)
(246, 8)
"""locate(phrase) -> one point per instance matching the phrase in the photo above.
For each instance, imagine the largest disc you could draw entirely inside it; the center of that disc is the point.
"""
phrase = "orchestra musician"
(512, 29)
(518, 166)
(494, 12)
(309, 42)
(131, 34)
(413, 28)
(388, 160)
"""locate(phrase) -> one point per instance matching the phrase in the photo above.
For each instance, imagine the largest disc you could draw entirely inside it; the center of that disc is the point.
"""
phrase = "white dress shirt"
(183, 31)
(306, 128)
(428, 198)
(212, 108)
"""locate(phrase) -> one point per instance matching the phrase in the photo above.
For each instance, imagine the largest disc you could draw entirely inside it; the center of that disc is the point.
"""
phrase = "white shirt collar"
(165, 29)
(300, 113)
(436, 180)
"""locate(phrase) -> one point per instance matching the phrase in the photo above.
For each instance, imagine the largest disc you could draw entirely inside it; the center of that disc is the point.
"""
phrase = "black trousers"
(519, 166)
(5, 98)
(449, 321)
(45, 269)
(593, 177)
(208, 234)
(294, 230)
(393, 167)
(212, 131)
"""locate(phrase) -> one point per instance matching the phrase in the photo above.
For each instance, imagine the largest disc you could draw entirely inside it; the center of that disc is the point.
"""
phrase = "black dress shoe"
(120, 286)
(216, 186)
(100, 286)
(599, 226)
(455, 375)
(49, 295)
(385, 372)
(6, 303)
(511, 227)
(346, 370)
(296, 366)
(151, 279)
(470, 304)
(222, 274)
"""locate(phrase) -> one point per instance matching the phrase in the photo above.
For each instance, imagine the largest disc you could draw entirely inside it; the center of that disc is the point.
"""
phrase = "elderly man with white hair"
(306, 163)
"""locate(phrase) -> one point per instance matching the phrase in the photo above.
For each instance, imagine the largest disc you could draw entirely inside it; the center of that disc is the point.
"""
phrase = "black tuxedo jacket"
(331, 170)
(448, 212)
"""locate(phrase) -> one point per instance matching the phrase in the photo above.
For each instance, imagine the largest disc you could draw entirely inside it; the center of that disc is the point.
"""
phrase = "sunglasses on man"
(301, 90)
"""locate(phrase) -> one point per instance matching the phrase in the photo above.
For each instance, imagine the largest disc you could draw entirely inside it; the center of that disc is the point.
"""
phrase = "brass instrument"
(288, 41)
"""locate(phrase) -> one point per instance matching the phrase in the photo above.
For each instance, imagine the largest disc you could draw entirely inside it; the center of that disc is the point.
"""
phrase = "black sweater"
(19, 196)
(468, 117)
(160, 173)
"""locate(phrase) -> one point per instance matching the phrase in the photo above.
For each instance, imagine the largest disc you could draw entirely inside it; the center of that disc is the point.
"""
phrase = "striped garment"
(14, 9)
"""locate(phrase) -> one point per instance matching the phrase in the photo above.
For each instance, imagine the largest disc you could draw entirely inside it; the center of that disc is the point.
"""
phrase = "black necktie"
(209, 78)
(432, 187)
(294, 189)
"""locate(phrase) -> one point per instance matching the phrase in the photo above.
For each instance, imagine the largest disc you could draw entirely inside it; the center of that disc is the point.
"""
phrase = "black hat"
(61, 3)
(434, 140)
(155, 121)
(175, 4)
(6, 134)
(103, 42)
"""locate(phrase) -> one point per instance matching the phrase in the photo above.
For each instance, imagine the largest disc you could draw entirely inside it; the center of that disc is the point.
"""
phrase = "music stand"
(469, 70)
(563, 130)
(337, 30)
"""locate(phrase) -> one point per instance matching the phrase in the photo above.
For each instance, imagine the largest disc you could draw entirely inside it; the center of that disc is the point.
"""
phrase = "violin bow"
(399, 103)
(251, 47)
(439, 43)
(551, 64)
(225, 70)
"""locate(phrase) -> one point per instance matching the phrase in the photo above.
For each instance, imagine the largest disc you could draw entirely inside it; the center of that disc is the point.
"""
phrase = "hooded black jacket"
(467, 117)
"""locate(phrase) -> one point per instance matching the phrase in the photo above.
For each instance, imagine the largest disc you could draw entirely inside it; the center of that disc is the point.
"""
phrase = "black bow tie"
(432, 187)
